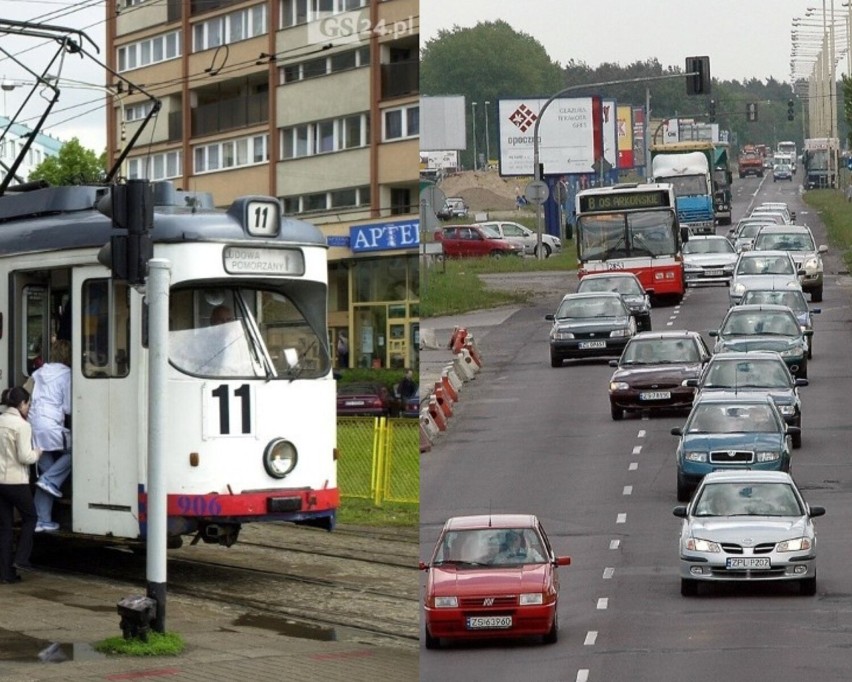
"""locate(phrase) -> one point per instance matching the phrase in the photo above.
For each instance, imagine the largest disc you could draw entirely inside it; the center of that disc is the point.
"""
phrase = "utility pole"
(473, 123)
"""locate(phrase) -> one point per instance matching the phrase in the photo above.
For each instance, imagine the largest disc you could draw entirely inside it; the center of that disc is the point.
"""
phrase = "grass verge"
(158, 644)
(360, 512)
(836, 213)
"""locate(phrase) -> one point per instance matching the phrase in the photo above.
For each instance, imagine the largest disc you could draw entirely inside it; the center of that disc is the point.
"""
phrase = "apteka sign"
(389, 236)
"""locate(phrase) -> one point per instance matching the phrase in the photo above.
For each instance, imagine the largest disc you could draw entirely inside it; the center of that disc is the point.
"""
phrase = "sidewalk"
(58, 618)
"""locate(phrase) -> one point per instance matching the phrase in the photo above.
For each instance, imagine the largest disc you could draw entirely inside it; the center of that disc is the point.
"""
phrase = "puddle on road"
(288, 628)
(23, 649)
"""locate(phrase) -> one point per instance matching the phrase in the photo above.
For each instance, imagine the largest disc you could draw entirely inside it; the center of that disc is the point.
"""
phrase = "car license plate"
(585, 345)
(489, 622)
(713, 273)
(354, 403)
(655, 395)
(747, 563)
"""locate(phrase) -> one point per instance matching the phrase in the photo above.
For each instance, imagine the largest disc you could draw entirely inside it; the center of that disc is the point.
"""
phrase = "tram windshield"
(604, 236)
(239, 332)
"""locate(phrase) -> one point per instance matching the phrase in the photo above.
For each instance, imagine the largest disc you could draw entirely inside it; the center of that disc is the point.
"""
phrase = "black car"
(590, 326)
(628, 285)
(653, 371)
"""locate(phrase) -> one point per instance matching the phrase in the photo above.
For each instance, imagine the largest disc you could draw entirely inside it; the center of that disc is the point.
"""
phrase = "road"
(529, 438)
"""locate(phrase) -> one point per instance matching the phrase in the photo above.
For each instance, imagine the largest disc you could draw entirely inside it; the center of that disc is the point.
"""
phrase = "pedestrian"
(342, 350)
(50, 417)
(16, 455)
(407, 386)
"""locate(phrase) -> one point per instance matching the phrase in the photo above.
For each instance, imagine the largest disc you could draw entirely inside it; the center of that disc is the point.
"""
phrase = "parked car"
(782, 171)
(365, 399)
(763, 270)
(758, 370)
(474, 241)
(794, 299)
(411, 406)
(744, 526)
(588, 326)
(731, 430)
(454, 207)
(653, 371)
(764, 327)
(526, 237)
(798, 240)
(708, 259)
(637, 298)
(492, 576)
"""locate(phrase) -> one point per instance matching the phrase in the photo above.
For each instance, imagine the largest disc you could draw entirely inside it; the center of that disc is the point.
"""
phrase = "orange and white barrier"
(443, 400)
(437, 413)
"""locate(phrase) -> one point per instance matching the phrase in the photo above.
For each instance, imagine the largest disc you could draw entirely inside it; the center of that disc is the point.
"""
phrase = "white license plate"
(714, 273)
(489, 622)
(584, 345)
(354, 403)
(747, 563)
(655, 395)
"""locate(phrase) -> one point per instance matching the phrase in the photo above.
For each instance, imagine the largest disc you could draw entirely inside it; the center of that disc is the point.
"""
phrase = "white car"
(526, 237)
(708, 259)
(799, 241)
(763, 270)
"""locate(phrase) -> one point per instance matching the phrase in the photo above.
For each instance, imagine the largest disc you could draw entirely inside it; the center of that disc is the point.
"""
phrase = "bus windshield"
(604, 236)
(239, 332)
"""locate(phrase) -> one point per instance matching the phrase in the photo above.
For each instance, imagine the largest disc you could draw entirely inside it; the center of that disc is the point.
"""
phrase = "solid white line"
(583, 675)
(633, 466)
(669, 323)
(621, 518)
(641, 434)
(613, 544)
(603, 602)
(608, 572)
(637, 449)
(628, 490)
(591, 637)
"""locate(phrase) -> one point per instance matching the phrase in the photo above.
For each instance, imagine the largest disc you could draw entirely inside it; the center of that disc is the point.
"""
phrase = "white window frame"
(130, 56)
(310, 133)
(206, 155)
(143, 167)
(252, 21)
(403, 113)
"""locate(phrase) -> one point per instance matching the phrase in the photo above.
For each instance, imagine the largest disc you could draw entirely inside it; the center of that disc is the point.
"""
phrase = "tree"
(74, 165)
(485, 63)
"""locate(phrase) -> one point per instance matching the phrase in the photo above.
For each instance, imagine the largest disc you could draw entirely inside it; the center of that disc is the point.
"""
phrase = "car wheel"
(547, 250)
(553, 634)
(683, 489)
(816, 295)
(808, 586)
(616, 412)
(496, 255)
(432, 642)
(555, 360)
(688, 588)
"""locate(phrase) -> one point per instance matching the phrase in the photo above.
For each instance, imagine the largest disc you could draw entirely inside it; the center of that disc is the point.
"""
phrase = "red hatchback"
(492, 576)
(471, 241)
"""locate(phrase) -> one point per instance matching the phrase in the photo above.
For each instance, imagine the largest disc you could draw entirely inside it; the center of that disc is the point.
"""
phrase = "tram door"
(108, 405)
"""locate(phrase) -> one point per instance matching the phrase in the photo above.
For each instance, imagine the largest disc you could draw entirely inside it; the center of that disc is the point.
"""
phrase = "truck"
(750, 162)
(788, 147)
(819, 160)
(687, 167)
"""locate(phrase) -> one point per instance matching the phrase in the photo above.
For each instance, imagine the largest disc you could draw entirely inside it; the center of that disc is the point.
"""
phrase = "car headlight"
(738, 289)
(787, 409)
(795, 545)
(692, 267)
(767, 456)
(532, 599)
(561, 335)
(812, 263)
(793, 284)
(699, 545)
(793, 352)
(279, 458)
(620, 333)
(619, 386)
(728, 268)
(695, 456)
(446, 602)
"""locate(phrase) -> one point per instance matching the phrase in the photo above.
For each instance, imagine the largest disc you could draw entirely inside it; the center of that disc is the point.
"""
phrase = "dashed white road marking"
(591, 637)
(608, 573)
(603, 603)
(637, 449)
(633, 466)
(628, 490)
(621, 518)
(614, 544)
(641, 434)
(583, 675)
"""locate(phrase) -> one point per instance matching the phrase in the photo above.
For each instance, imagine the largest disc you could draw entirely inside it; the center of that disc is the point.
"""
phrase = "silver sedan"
(743, 526)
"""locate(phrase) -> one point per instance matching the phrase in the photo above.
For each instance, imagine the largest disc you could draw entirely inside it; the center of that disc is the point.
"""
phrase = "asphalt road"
(530, 438)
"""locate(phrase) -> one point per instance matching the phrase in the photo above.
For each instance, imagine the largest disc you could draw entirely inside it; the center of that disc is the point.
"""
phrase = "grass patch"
(836, 213)
(360, 512)
(158, 644)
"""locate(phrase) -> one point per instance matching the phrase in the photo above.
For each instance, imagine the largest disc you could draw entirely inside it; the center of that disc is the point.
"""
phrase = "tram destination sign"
(623, 201)
(246, 260)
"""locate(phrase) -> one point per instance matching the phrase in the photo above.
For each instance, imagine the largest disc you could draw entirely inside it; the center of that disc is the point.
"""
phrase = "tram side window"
(105, 328)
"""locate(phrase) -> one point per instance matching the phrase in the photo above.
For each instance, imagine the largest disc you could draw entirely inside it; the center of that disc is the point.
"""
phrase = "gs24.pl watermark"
(342, 29)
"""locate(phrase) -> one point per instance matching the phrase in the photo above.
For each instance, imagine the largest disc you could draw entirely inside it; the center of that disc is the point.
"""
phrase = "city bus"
(633, 228)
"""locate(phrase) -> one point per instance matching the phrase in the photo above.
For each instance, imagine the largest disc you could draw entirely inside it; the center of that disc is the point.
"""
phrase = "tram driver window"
(105, 328)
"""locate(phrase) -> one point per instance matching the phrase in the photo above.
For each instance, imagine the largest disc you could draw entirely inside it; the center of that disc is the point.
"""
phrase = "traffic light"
(131, 209)
(790, 113)
(711, 114)
(699, 82)
(751, 111)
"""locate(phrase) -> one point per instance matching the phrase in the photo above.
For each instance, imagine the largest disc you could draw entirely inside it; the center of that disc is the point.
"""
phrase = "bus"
(633, 227)
(251, 431)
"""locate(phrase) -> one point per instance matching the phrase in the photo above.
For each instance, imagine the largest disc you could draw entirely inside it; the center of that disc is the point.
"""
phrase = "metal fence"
(379, 459)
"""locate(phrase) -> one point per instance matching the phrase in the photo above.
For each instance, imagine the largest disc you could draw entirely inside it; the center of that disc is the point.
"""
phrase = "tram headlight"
(279, 458)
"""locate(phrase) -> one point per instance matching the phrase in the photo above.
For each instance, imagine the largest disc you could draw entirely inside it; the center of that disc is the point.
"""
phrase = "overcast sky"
(743, 38)
(80, 109)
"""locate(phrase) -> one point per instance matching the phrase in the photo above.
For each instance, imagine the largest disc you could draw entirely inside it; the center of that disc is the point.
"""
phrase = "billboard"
(610, 133)
(624, 119)
(638, 136)
(442, 123)
(570, 135)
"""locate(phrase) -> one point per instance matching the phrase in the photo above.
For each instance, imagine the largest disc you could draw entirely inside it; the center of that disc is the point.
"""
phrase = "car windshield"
(795, 300)
(749, 230)
(747, 374)
(590, 307)
(660, 352)
(708, 246)
(766, 265)
(490, 547)
(726, 418)
(621, 285)
(743, 323)
(747, 499)
(799, 241)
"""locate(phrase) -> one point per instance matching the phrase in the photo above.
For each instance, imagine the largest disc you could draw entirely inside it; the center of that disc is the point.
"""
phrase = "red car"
(472, 241)
(365, 399)
(492, 575)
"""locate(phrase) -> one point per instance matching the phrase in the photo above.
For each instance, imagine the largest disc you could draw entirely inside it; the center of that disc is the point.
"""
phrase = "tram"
(251, 433)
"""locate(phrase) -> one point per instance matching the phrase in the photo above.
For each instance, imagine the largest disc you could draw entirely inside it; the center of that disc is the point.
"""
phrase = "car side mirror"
(794, 430)
(684, 234)
(613, 363)
(563, 561)
(549, 317)
(816, 511)
(713, 333)
(822, 248)
(801, 381)
(680, 512)
(801, 272)
(423, 566)
(692, 382)
(815, 311)
(677, 431)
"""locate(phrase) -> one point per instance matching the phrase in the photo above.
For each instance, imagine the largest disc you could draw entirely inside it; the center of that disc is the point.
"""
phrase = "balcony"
(230, 114)
(400, 79)
(175, 133)
(197, 7)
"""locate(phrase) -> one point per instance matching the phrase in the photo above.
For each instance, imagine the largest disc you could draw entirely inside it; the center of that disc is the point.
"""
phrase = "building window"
(155, 166)
(322, 137)
(229, 28)
(136, 112)
(150, 51)
(324, 66)
(401, 123)
(352, 198)
(400, 200)
(246, 151)
(295, 12)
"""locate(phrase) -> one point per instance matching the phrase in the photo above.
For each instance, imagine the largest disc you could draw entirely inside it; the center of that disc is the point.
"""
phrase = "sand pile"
(483, 190)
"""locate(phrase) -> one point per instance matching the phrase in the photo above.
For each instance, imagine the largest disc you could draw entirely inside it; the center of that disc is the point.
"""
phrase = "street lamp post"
(473, 119)
(487, 144)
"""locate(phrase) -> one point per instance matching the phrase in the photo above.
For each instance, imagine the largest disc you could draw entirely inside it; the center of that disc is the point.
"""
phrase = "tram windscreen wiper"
(296, 369)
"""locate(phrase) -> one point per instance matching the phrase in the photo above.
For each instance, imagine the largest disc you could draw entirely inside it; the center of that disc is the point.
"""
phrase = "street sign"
(537, 192)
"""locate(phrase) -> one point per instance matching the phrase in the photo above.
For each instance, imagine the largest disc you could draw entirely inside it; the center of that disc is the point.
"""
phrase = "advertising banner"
(625, 136)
